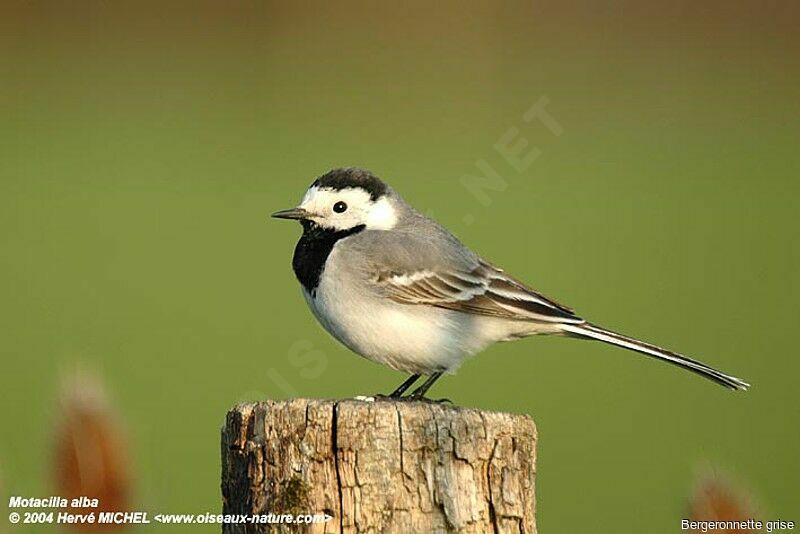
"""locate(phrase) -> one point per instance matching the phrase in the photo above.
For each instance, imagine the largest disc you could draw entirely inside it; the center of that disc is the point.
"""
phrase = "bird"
(397, 288)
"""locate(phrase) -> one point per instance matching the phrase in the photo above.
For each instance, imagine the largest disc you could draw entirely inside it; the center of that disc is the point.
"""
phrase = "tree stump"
(379, 466)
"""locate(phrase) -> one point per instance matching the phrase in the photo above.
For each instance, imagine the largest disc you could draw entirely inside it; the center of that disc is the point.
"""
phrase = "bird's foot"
(420, 398)
(394, 398)
(409, 398)
(429, 401)
(416, 395)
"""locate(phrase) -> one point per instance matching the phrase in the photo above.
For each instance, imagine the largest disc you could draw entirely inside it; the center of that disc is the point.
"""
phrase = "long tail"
(590, 331)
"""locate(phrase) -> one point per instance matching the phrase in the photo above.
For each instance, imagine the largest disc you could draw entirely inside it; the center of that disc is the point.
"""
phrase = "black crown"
(339, 179)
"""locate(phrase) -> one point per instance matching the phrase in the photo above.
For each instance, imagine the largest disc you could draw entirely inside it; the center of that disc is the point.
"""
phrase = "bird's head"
(345, 199)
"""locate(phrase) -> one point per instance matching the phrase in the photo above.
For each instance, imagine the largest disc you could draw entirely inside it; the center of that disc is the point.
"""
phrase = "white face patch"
(360, 208)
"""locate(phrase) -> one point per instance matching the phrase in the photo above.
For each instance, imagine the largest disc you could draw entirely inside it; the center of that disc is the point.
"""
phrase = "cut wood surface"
(381, 466)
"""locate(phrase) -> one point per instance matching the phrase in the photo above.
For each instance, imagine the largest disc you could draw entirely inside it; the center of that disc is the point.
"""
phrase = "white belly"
(411, 338)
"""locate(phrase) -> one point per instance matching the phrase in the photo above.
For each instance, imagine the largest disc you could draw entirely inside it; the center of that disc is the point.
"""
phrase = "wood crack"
(492, 511)
(400, 435)
(335, 451)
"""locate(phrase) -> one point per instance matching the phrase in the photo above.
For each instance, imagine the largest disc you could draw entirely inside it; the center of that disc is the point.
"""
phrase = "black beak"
(292, 213)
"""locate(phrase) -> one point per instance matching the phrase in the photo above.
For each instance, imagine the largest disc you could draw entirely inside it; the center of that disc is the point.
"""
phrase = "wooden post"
(381, 466)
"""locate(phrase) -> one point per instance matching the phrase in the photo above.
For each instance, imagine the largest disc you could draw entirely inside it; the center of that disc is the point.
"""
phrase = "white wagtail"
(396, 287)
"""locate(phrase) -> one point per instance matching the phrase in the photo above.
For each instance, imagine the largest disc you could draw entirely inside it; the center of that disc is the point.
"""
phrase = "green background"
(143, 146)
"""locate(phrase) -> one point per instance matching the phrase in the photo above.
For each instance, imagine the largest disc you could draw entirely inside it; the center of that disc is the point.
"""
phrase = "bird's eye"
(340, 207)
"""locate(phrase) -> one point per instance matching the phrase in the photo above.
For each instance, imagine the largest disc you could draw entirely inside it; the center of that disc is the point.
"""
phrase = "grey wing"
(435, 269)
(485, 290)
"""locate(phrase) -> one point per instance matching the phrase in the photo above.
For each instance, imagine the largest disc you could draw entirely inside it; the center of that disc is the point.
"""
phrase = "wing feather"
(485, 290)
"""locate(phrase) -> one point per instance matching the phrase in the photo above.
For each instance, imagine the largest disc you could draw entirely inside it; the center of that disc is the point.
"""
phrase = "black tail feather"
(590, 331)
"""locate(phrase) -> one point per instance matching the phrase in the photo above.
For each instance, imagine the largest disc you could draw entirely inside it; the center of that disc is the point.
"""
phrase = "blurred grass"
(142, 150)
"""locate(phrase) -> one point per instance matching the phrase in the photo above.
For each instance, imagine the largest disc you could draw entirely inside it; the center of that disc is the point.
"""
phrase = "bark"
(380, 466)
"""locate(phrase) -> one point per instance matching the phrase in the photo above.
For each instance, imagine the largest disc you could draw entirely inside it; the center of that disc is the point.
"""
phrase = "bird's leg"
(419, 393)
(396, 394)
